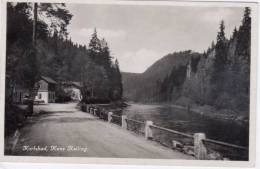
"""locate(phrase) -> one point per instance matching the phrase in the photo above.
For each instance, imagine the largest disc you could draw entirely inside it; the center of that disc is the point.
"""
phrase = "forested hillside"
(219, 77)
(55, 55)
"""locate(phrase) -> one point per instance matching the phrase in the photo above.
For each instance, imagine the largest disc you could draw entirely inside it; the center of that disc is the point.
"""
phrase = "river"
(180, 120)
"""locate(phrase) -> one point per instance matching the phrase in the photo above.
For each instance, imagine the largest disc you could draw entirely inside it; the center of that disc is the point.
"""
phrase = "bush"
(96, 100)
(223, 101)
(184, 101)
(14, 118)
(62, 96)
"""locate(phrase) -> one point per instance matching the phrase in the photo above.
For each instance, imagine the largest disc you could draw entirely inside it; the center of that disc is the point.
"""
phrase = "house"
(45, 94)
(73, 89)
(46, 90)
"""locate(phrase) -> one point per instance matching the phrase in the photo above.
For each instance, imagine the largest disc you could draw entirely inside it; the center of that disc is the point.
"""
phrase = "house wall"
(42, 95)
(43, 85)
(47, 92)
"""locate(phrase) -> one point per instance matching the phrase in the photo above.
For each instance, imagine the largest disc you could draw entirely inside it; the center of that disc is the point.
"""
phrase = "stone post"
(87, 106)
(148, 130)
(124, 123)
(109, 117)
(91, 110)
(200, 150)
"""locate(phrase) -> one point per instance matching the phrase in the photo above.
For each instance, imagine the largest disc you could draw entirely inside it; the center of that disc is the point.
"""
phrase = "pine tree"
(119, 84)
(221, 48)
(234, 33)
(94, 47)
(105, 54)
(221, 33)
(220, 64)
(244, 40)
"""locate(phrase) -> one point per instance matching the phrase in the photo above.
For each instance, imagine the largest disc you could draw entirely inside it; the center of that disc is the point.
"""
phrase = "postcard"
(129, 82)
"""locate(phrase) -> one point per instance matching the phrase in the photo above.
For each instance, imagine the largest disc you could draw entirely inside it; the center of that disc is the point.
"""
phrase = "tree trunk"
(34, 24)
(32, 94)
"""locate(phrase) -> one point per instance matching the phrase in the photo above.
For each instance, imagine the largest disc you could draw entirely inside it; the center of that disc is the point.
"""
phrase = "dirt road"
(63, 130)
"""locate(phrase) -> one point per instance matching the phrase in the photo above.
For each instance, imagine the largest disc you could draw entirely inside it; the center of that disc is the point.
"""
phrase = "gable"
(43, 85)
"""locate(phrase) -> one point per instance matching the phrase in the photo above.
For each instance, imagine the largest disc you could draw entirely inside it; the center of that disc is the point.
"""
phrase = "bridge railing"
(193, 144)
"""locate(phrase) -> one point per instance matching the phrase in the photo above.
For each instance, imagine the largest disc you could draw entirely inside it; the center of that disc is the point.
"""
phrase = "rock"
(226, 159)
(189, 150)
(214, 156)
(176, 144)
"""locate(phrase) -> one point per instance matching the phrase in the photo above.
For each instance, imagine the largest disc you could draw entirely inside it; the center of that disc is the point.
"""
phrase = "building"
(45, 94)
(73, 89)
(46, 90)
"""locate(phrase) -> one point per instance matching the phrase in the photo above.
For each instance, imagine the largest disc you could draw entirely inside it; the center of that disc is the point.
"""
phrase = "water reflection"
(170, 117)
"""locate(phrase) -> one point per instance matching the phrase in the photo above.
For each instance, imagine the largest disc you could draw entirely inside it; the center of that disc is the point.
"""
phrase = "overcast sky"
(140, 35)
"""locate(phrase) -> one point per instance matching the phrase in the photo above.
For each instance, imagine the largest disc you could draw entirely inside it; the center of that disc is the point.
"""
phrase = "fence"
(196, 145)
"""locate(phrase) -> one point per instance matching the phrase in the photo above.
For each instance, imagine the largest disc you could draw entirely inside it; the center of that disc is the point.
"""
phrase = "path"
(64, 126)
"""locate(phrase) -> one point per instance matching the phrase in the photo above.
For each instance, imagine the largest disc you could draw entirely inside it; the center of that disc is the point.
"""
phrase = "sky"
(140, 35)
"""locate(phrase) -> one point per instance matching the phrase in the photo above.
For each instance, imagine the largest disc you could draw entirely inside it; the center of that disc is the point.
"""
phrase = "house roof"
(48, 79)
(71, 83)
(77, 84)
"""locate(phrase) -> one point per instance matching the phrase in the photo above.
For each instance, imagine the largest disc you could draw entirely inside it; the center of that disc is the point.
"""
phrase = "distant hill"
(142, 86)
(219, 78)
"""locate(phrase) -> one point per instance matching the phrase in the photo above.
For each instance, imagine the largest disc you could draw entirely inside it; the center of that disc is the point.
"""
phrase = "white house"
(46, 90)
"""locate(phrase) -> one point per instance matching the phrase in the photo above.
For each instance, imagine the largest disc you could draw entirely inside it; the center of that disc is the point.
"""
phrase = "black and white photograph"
(129, 80)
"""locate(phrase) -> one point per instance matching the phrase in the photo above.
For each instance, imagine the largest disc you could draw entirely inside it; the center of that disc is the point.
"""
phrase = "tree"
(94, 47)
(118, 88)
(106, 59)
(220, 64)
(24, 34)
(244, 40)
(59, 19)
(221, 48)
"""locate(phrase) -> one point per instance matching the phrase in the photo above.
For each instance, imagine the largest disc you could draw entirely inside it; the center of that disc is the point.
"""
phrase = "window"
(40, 96)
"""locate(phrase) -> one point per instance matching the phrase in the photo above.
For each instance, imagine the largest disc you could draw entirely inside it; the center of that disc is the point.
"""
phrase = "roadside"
(60, 127)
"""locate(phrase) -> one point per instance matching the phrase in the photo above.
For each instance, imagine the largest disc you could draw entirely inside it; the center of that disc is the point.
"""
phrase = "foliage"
(61, 95)
(23, 63)
(101, 76)
(55, 55)
(219, 77)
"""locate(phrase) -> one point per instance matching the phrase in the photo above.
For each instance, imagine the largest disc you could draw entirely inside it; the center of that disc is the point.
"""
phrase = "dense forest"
(53, 54)
(219, 77)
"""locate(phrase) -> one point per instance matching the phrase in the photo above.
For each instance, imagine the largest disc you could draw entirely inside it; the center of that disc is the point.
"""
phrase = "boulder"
(189, 150)
(176, 144)
(214, 156)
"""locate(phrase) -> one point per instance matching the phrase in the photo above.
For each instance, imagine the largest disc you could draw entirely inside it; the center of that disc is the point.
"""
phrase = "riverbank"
(211, 112)
(208, 111)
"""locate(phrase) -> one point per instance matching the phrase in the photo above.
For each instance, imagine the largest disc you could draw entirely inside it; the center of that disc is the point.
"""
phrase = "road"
(63, 130)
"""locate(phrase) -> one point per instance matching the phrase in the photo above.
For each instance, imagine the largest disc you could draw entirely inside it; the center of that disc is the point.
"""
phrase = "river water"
(180, 120)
